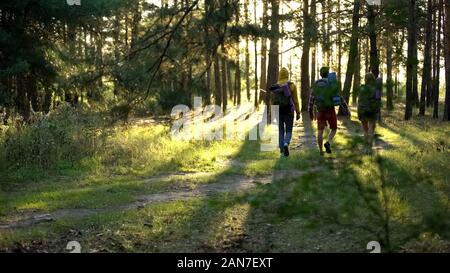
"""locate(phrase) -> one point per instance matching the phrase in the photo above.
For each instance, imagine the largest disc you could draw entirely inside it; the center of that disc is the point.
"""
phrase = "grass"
(399, 196)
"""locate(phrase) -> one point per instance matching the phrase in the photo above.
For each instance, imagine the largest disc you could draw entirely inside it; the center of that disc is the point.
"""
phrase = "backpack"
(283, 97)
(369, 100)
(327, 94)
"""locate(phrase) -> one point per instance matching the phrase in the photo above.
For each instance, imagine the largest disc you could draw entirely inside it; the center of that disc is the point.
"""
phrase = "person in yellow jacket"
(286, 114)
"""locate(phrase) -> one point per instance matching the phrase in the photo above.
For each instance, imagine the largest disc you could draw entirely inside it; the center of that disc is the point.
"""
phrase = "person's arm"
(344, 103)
(344, 106)
(295, 99)
(311, 104)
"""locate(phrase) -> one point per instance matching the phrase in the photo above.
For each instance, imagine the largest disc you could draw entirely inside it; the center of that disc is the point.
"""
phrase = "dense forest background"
(87, 154)
(147, 56)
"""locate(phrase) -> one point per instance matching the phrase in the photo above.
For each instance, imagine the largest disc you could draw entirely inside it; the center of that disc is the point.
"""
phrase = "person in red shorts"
(325, 116)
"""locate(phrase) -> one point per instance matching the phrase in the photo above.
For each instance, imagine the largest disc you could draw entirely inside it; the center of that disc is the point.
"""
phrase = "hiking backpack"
(326, 93)
(369, 99)
(283, 97)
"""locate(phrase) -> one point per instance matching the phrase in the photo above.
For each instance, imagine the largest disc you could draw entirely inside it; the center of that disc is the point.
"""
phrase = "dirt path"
(232, 183)
(304, 138)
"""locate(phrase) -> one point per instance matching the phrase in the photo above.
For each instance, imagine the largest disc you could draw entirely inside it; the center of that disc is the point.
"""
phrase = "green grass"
(399, 196)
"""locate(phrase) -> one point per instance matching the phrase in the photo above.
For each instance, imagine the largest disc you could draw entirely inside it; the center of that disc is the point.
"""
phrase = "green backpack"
(368, 100)
(326, 94)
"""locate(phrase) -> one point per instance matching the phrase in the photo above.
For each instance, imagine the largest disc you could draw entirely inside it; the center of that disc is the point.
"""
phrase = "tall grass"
(64, 136)
(71, 140)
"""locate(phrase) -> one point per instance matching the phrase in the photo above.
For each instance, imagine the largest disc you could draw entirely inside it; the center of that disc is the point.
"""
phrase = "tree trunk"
(389, 66)
(426, 75)
(224, 80)
(272, 69)
(325, 35)
(313, 42)
(229, 81)
(447, 61)
(247, 52)
(263, 78)
(339, 42)
(237, 75)
(305, 81)
(206, 27)
(217, 81)
(208, 79)
(47, 99)
(357, 78)
(366, 55)
(256, 102)
(329, 29)
(237, 81)
(374, 59)
(437, 81)
(353, 54)
(411, 59)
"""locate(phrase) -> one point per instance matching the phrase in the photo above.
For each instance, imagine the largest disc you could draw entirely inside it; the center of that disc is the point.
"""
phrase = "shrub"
(65, 134)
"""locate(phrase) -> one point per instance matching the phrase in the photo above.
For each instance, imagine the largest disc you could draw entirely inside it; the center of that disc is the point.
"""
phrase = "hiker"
(286, 97)
(369, 104)
(325, 95)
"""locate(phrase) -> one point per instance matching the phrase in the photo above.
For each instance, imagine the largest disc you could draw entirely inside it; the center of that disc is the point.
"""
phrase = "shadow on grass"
(351, 195)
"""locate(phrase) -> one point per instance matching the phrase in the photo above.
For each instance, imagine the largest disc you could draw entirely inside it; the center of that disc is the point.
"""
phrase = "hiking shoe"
(286, 151)
(327, 146)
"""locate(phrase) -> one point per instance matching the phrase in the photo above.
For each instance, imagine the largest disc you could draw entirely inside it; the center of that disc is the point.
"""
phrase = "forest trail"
(304, 138)
(231, 183)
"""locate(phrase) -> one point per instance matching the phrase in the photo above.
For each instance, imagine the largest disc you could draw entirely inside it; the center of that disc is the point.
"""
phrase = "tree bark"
(263, 78)
(389, 66)
(256, 102)
(438, 49)
(304, 78)
(353, 54)
(217, 81)
(272, 69)
(224, 80)
(313, 42)
(374, 59)
(447, 61)
(357, 78)
(237, 75)
(426, 75)
(247, 52)
(411, 59)
(339, 42)
(229, 81)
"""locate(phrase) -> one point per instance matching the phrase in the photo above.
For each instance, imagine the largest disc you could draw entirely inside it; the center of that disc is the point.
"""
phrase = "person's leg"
(289, 122)
(371, 131)
(365, 126)
(320, 140)
(332, 135)
(321, 124)
(289, 128)
(281, 132)
(332, 120)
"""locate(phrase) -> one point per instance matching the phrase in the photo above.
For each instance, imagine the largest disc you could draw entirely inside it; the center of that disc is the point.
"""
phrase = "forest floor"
(148, 193)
